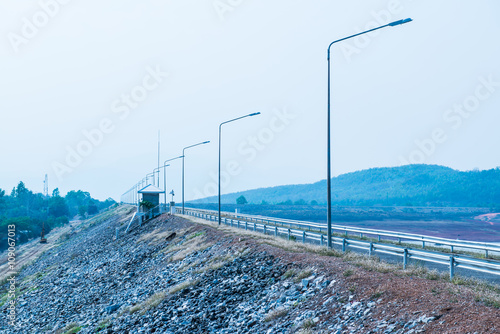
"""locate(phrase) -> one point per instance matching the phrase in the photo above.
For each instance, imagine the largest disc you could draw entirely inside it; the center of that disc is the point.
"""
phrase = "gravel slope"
(176, 276)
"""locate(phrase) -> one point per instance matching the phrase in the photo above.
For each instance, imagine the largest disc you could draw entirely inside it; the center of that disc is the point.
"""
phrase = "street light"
(220, 128)
(183, 155)
(165, 176)
(147, 178)
(328, 168)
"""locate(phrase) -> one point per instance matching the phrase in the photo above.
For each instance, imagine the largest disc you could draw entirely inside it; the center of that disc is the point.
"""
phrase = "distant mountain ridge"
(417, 185)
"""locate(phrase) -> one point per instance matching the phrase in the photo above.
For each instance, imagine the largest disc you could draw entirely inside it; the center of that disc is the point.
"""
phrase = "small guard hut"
(151, 194)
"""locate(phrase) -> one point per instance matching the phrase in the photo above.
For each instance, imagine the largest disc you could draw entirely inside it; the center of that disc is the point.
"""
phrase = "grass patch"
(154, 237)
(182, 286)
(305, 331)
(103, 325)
(303, 274)
(213, 266)
(149, 303)
(290, 273)
(484, 292)
(348, 272)
(194, 235)
(308, 324)
(195, 244)
(71, 328)
(276, 314)
(370, 263)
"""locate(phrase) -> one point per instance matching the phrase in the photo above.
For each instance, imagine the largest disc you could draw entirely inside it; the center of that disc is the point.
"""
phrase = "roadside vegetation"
(33, 212)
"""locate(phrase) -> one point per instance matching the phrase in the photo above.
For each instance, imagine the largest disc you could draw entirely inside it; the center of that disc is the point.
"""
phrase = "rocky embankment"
(175, 276)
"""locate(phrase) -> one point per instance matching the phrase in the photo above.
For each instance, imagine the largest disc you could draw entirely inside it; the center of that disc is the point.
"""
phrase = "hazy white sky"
(86, 85)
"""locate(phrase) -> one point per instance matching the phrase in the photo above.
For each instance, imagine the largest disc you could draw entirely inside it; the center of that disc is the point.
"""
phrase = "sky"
(85, 87)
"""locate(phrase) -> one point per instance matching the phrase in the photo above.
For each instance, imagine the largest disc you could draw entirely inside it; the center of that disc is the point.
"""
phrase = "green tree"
(58, 207)
(241, 200)
(82, 210)
(2, 197)
(92, 209)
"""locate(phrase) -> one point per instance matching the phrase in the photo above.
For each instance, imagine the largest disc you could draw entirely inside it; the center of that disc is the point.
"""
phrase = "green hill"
(417, 185)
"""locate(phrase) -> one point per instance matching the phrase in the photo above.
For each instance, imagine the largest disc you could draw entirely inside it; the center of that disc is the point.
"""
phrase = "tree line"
(30, 212)
(411, 185)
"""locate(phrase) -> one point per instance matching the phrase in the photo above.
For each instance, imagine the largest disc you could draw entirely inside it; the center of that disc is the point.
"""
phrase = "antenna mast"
(46, 186)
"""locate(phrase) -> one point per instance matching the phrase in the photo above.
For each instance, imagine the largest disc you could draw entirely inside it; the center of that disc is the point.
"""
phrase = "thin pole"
(220, 128)
(165, 186)
(328, 154)
(183, 155)
(218, 183)
(328, 166)
(183, 181)
(158, 158)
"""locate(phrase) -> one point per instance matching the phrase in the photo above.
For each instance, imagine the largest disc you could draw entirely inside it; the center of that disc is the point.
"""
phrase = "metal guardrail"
(453, 261)
(399, 236)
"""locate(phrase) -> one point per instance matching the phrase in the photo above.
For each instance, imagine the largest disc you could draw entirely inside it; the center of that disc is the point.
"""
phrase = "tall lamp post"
(220, 132)
(147, 178)
(165, 176)
(183, 155)
(328, 168)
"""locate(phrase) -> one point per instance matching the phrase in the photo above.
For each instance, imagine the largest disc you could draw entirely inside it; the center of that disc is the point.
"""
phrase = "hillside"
(174, 275)
(411, 185)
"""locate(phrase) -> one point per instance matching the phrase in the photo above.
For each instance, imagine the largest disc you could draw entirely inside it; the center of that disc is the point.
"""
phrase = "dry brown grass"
(149, 303)
(192, 245)
(276, 314)
(183, 285)
(154, 237)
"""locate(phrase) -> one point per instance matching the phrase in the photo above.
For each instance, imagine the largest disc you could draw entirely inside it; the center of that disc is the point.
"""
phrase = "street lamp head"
(206, 142)
(396, 23)
(254, 114)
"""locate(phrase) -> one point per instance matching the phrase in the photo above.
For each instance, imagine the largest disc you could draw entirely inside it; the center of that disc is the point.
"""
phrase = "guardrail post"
(379, 238)
(486, 253)
(346, 233)
(361, 235)
(452, 267)
(451, 248)
(423, 244)
(405, 258)
(289, 236)
(246, 225)
(276, 231)
(304, 237)
(344, 243)
(238, 223)
(322, 240)
(371, 249)
(265, 228)
(254, 227)
(399, 241)
(231, 222)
